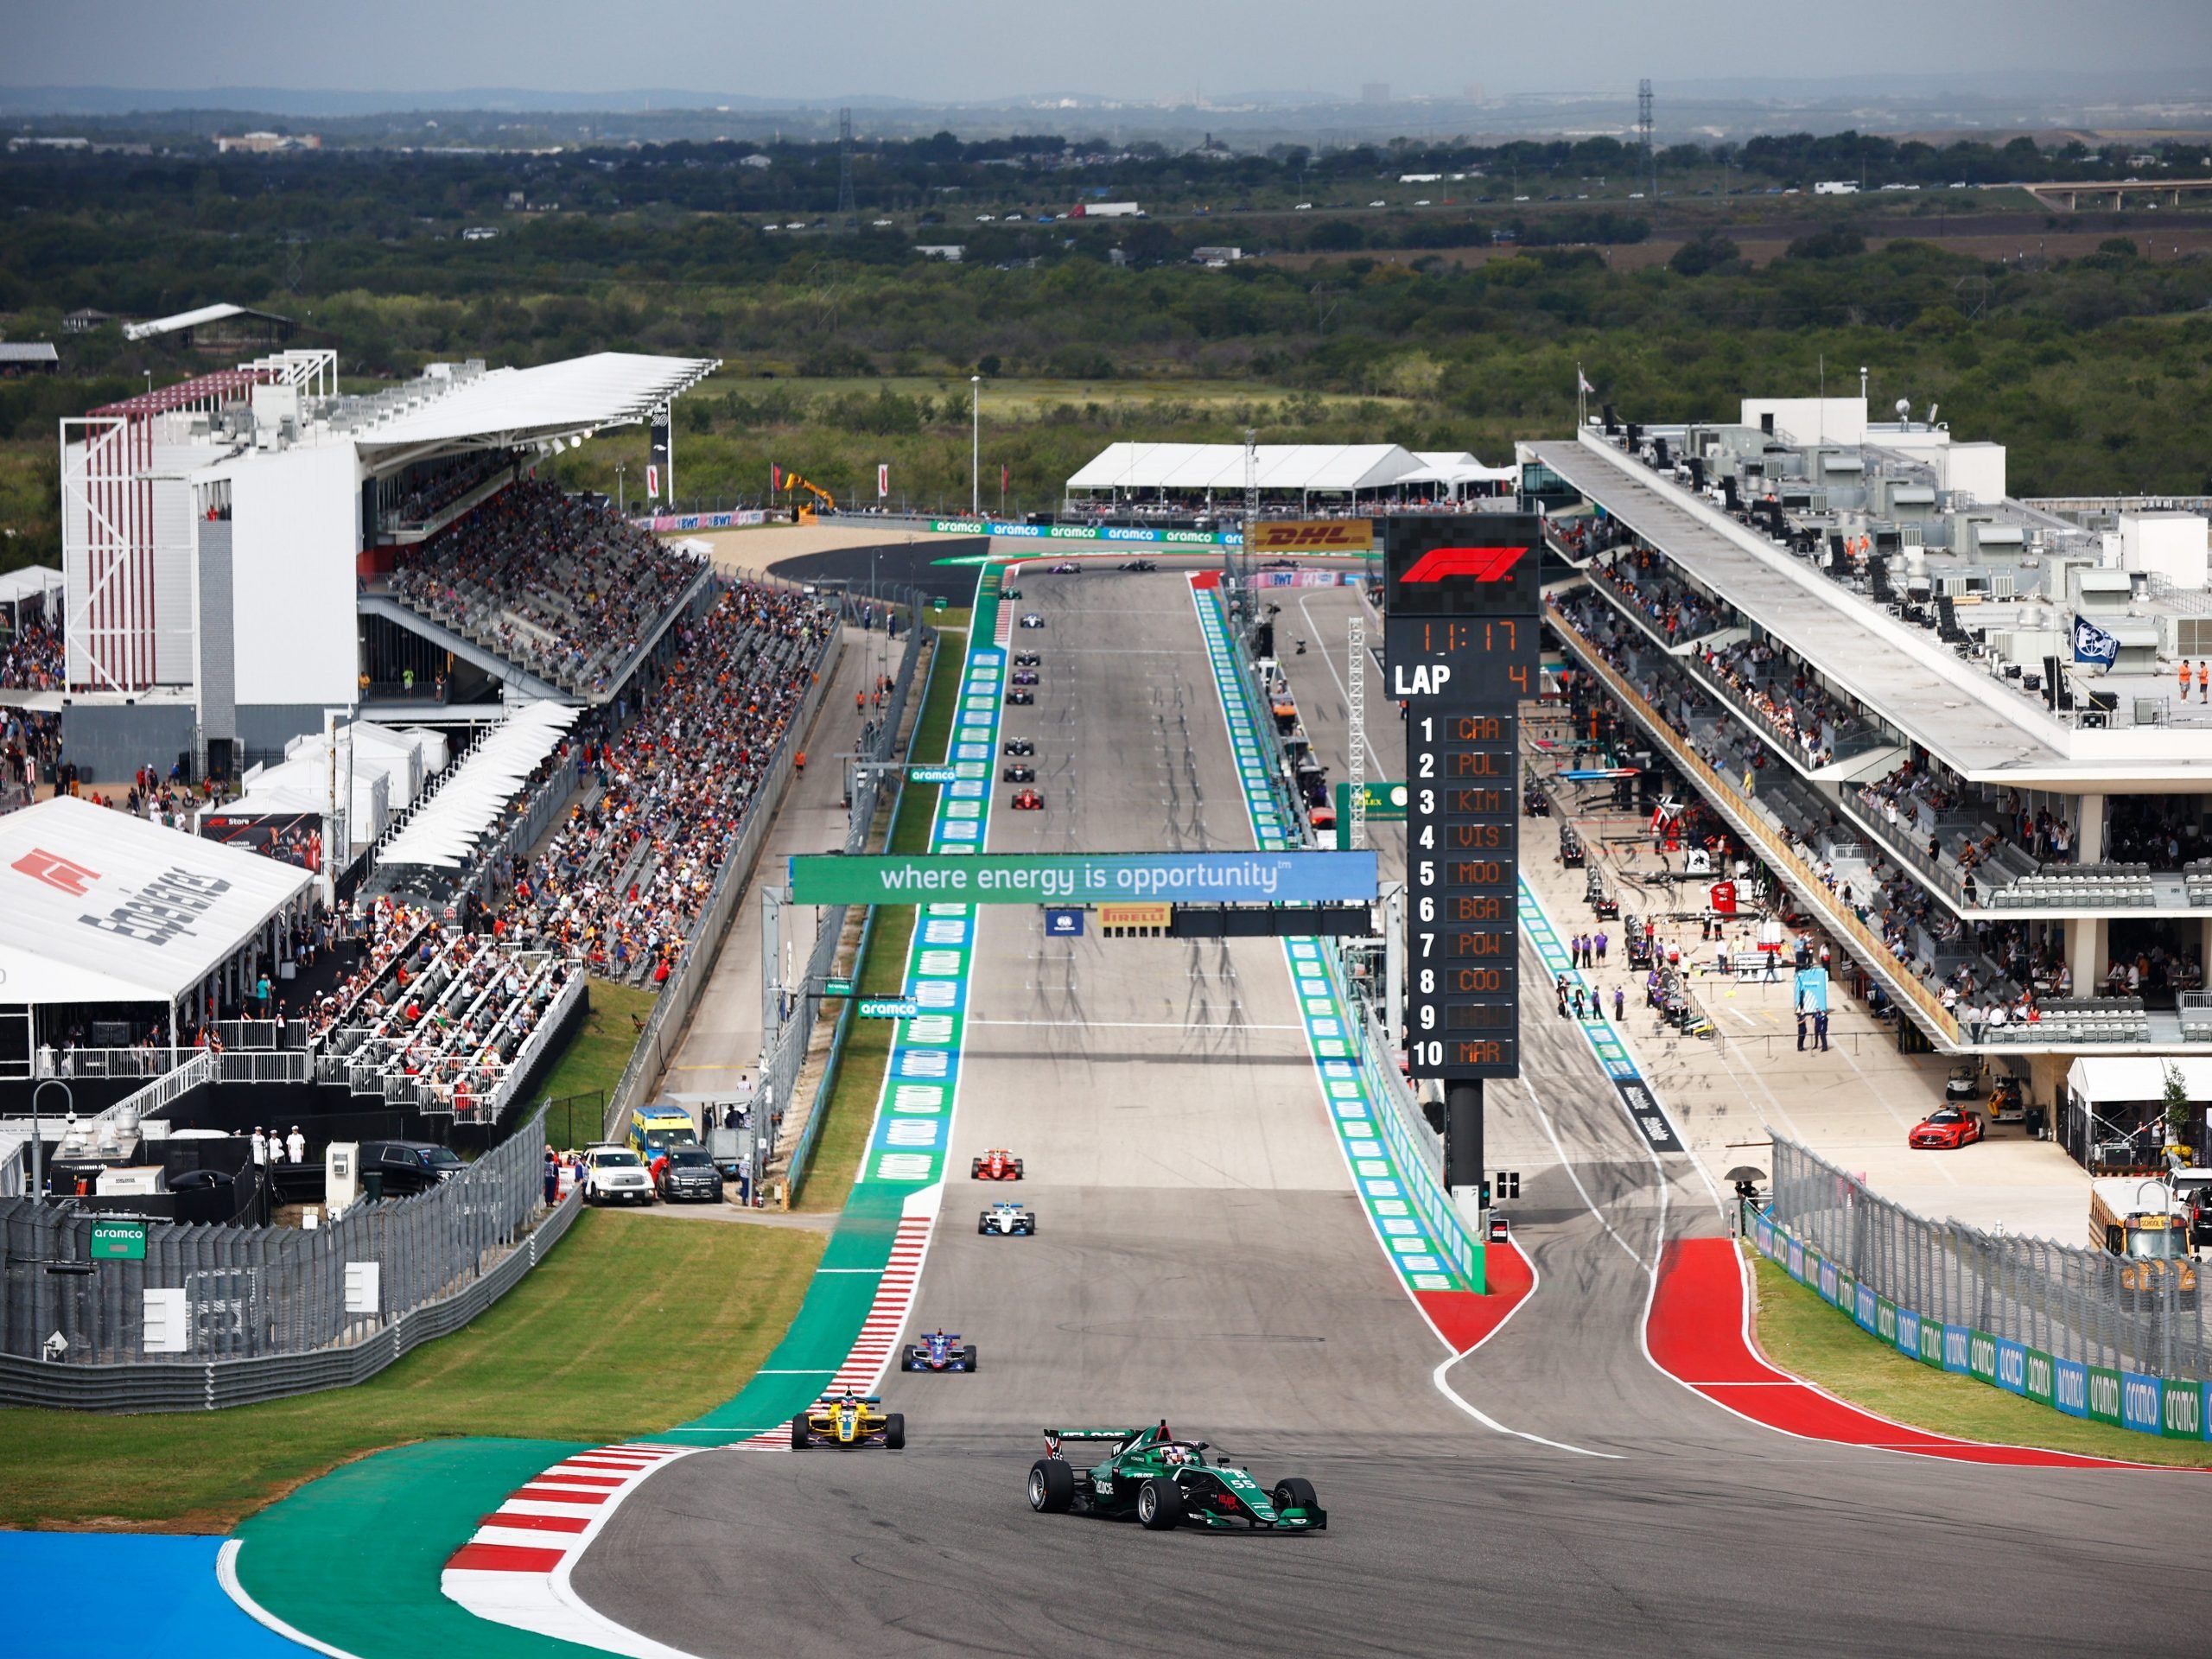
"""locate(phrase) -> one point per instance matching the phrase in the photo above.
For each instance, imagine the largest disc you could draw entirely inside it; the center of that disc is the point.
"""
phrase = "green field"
(632, 1323)
(593, 1061)
(1804, 1335)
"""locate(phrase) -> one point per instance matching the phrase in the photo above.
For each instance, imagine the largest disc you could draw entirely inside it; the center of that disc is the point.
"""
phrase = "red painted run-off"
(1464, 1319)
(1204, 579)
(1696, 1334)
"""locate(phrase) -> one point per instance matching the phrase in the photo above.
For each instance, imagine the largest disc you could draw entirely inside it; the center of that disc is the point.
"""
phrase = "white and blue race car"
(937, 1352)
(1006, 1220)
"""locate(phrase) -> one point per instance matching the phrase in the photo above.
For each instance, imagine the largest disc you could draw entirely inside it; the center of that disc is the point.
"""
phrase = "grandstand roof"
(30, 582)
(1303, 468)
(103, 906)
(468, 806)
(555, 401)
(199, 318)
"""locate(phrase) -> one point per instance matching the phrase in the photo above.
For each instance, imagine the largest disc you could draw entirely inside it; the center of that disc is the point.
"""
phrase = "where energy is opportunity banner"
(1085, 877)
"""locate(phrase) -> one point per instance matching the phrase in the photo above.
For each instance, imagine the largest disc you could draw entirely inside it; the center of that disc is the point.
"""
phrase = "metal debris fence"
(2072, 1304)
(254, 1293)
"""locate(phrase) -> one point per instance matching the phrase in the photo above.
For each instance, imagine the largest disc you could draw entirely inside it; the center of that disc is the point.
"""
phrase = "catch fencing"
(787, 1056)
(221, 1314)
(2079, 1306)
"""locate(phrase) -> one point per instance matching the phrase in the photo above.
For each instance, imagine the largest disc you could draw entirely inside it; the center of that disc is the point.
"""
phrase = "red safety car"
(1945, 1129)
(1028, 800)
(996, 1165)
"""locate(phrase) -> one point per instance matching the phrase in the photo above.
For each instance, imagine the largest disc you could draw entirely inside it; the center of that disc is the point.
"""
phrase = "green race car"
(1165, 1482)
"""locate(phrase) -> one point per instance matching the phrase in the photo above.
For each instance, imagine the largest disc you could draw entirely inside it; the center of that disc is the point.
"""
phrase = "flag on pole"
(775, 478)
(882, 480)
(1002, 477)
(1582, 382)
(2094, 644)
(652, 482)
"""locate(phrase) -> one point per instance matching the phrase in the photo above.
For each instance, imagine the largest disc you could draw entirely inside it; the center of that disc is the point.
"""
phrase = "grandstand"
(556, 585)
(247, 549)
(623, 881)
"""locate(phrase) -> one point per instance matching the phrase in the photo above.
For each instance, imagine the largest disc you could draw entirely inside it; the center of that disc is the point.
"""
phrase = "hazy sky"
(949, 50)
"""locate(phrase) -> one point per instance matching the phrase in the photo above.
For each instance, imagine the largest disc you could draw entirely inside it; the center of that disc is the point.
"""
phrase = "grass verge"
(850, 1110)
(593, 1060)
(632, 1323)
(1804, 1335)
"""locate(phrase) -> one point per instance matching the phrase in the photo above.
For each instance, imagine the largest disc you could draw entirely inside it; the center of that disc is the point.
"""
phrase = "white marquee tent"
(1188, 469)
(97, 906)
(468, 806)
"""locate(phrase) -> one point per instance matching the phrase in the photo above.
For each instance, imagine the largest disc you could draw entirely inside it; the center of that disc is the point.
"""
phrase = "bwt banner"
(1083, 533)
(661, 523)
(1020, 878)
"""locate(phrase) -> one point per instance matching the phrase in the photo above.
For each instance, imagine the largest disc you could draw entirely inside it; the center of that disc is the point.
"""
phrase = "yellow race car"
(848, 1419)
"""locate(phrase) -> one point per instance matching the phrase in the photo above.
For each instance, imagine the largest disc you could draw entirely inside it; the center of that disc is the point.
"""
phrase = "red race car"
(1945, 1129)
(996, 1165)
(1028, 800)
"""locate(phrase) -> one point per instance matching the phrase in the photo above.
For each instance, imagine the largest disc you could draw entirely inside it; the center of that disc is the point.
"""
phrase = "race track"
(1201, 1256)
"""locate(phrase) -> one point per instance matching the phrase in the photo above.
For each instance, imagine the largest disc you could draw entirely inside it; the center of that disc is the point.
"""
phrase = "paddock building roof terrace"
(1945, 626)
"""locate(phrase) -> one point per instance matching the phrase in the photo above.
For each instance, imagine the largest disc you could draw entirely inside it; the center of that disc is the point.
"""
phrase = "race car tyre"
(1051, 1486)
(983, 1224)
(975, 1169)
(1295, 1492)
(894, 1432)
(800, 1437)
(968, 1354)
(1160, 1505)
(905, 1361)
(1017, 1169)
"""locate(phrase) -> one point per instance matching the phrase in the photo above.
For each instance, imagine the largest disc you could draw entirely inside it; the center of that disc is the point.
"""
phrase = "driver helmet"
(1174, 1453)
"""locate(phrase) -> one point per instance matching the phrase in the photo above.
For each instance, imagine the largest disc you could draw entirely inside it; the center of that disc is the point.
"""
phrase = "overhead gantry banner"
(1085, 877)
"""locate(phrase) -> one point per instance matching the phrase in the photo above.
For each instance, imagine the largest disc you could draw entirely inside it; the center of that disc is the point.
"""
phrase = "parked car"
(408, 1166)
(690, 1173)
(616, 1175)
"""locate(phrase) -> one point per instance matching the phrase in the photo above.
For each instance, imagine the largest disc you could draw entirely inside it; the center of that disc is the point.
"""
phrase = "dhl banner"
(1312, 536)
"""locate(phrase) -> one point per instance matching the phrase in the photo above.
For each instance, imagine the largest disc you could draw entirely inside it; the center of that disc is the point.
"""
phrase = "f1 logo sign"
(1483, 563)
(57, 872)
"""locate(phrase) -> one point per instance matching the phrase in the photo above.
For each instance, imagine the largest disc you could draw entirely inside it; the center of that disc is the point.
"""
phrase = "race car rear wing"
(1120, 1436)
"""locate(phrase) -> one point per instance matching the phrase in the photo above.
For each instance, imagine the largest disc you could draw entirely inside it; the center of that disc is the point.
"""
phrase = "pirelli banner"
(1311, 535)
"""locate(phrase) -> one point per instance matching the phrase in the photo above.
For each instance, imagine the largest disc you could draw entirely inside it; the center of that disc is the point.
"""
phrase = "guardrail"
(260, 1312)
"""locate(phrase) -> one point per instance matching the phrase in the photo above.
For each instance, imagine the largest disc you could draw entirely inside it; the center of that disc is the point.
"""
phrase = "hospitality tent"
(34, 581)
(98, 907)
(1200, 472)
(295, 788)
(469, 804)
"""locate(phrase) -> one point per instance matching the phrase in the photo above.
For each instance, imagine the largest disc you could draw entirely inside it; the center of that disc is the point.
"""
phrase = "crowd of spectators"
(30, 747)
(429, 490)
(622, 882)
(1673, 610)
(31, 657)
(2161, 831)
(1801, 713)
(556, 583)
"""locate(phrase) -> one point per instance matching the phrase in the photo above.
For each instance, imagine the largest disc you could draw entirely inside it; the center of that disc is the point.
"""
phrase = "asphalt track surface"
(1200, 1257)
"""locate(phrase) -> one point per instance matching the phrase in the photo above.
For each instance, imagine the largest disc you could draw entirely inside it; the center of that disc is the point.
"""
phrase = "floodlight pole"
(975, 446)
